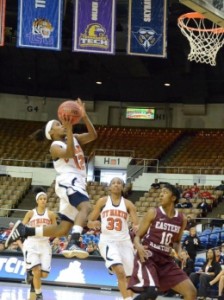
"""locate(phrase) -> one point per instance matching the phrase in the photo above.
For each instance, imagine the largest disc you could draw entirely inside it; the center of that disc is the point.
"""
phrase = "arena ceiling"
(67, 74)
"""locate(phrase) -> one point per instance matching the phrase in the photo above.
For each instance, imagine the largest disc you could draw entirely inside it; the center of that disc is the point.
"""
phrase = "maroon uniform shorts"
(159, 270)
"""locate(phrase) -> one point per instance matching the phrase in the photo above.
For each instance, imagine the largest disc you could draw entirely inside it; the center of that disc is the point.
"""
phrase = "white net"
(205, 37)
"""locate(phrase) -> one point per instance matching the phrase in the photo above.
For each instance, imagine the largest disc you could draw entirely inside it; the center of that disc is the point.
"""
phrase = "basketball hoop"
(204, 36)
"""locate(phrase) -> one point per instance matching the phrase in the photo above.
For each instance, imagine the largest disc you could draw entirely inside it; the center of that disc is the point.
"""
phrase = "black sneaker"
(32, 289)
(16, 233)
(29, 277)
(75, 251)
(39, 297)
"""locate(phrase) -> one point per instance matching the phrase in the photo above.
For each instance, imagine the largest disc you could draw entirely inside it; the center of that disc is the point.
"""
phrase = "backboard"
(211, 9)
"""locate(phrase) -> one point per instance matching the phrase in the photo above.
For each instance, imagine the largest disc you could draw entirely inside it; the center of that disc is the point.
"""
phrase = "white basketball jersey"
(114, 221)
(75, 165)
(39, 220)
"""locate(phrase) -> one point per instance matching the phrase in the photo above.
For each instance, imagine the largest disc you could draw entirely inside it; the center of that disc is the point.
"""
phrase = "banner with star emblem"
(94, 26)
(40, 24)
(2, 21)
(147, 33)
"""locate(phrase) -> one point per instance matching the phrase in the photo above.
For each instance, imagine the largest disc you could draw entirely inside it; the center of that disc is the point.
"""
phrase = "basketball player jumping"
(115, 243)
(69, 163)
(159, 232)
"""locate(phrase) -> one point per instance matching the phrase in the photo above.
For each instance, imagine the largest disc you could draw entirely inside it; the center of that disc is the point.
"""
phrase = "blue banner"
(40, 24)
(2, 22)
(88, 273)
(147, 33)
(94, 26)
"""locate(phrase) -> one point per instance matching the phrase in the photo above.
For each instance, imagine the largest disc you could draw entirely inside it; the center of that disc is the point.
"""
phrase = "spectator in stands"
(82, 243)
(186, 263)
(190, 223)
(219, 191)
(63, 243)
(222, 251)
(187, 194)
(37, 250)
(195, 190)
(6, 232)
(156, 184)
(220, 187)
(208, 272)
(16, 246)
(69, 163)
(55, 246)
(192, 243)
(220, 279)
(218, 256)
(115, 243)
(203, 205)
(187, 203)
(92, 249)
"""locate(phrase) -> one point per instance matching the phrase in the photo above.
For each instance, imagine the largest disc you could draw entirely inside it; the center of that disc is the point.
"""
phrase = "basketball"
(70, 108)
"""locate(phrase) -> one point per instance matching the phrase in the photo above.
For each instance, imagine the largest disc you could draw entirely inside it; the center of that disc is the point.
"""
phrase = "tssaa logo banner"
(2, 21)
(94, 26)
(147, 34)
(40, 24)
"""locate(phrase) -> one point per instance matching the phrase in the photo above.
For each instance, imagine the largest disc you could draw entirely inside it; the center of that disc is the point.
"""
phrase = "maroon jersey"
(163, 231)
(159, 266)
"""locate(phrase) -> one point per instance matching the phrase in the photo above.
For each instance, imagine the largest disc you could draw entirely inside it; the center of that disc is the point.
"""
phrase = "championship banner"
(40, 24)
(2, 22)
(147, 34)
(94, 26)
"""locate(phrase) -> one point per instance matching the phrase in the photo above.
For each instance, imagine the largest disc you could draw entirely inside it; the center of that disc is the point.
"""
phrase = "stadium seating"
(213, 240)
(204, 239)
(199, 261)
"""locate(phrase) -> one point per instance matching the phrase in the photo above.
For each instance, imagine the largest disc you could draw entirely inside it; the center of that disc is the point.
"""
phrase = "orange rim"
(196, 15)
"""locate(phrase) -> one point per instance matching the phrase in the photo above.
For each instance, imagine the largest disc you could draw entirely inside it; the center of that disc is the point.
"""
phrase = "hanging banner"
(2, 22)
(94, 26)
(40, 24)
(147, 33)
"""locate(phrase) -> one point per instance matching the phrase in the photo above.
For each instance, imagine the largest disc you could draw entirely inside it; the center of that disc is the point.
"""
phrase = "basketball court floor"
(20, 291)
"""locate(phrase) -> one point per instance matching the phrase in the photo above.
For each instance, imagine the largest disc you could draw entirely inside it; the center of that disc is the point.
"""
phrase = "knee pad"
(151, 293)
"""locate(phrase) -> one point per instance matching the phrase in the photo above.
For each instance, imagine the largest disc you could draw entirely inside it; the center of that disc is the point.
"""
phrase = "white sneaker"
(75, 251)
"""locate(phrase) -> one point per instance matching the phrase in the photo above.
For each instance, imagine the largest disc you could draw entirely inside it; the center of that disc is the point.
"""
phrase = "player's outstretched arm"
(91, 135)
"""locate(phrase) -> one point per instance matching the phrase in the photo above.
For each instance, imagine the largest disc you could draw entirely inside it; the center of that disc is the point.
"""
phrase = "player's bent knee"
(121, 275)
(151, 293)
(37, 273)
(44, 275)
(119, 271)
